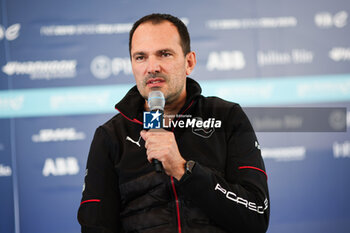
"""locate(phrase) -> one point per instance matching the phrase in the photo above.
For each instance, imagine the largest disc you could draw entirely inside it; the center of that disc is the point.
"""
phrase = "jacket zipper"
(177, 204)
(174, 189)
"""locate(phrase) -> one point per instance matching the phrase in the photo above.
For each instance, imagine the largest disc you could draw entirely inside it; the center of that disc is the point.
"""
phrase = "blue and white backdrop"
(64, 64)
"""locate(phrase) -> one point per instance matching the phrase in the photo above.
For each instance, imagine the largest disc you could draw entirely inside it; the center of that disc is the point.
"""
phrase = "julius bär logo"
(152, 120)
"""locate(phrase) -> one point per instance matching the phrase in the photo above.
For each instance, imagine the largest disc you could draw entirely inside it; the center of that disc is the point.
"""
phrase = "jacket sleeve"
(239, 200)
(99, 208)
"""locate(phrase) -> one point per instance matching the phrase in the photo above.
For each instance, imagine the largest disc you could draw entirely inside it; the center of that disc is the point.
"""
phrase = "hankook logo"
(102, 67)
(55, 69)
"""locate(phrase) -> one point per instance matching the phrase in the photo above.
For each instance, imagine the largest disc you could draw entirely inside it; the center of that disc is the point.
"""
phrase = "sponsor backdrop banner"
(64, 64)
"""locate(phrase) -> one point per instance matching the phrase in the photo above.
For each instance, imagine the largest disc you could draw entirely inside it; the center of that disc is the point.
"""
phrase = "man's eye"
(166, 54)
(139, 58)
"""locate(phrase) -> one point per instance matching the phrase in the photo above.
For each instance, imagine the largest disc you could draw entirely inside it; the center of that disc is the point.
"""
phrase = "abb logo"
(226, 60)
(61, 167)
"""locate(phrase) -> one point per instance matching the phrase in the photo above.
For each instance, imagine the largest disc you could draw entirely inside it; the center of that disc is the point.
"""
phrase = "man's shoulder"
(217, 102)
(217, 106)
(112, 123)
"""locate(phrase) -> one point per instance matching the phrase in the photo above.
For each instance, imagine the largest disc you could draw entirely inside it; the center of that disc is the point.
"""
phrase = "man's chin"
(156, 89)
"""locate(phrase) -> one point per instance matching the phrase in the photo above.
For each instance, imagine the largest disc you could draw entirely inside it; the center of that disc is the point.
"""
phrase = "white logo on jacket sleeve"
(239, 200)
(257, 145)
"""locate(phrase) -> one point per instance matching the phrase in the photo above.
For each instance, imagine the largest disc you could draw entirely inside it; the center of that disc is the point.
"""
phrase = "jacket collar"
(132, 105)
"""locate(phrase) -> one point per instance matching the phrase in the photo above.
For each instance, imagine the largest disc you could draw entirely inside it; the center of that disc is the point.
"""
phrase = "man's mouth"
(153, 82)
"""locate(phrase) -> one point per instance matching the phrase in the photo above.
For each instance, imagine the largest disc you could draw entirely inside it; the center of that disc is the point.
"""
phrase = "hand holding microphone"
(161, 146)
(156, 102)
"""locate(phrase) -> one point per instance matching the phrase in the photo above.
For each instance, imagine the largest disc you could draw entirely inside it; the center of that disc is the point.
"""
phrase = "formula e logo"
(11, 33)
(152, 120)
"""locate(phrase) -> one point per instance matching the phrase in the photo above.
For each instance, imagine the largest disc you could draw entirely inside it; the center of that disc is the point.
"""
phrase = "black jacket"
(226, 192)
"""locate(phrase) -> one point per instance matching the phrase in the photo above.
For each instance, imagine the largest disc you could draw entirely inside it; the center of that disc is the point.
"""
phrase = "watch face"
(189, 166)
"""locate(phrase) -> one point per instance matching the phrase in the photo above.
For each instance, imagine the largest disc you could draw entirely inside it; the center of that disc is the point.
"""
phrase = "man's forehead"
(164, 28)
(163, 34)
(156, 25)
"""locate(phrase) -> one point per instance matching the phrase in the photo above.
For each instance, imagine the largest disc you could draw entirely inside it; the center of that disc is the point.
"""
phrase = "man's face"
(158, 62)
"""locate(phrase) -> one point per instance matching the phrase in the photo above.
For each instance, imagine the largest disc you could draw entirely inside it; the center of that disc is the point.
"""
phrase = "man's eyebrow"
(160, 51)
(165, 50)
(138, 53)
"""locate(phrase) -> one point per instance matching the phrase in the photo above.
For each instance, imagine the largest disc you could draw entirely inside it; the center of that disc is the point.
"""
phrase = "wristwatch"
(189, 165)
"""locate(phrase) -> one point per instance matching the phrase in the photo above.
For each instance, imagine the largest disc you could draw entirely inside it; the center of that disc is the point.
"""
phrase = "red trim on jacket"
(177, 204)
(188, 107)
(92, 200)
(255, 168)
(132, 120)
(183, 112)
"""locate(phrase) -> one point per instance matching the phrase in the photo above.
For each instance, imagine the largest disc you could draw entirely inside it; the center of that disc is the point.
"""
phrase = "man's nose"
(153, 65)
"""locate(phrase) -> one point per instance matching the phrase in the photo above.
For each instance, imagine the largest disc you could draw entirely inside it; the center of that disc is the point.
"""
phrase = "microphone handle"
(157, 165)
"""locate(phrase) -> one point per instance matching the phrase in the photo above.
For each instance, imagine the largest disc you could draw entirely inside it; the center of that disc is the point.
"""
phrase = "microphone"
(156, 102)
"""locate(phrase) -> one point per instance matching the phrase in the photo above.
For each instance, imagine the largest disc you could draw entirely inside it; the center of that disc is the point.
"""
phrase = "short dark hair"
(157, 18)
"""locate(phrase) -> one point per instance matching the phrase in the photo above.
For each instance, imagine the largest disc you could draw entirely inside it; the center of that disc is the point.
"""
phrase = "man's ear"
(190, 62)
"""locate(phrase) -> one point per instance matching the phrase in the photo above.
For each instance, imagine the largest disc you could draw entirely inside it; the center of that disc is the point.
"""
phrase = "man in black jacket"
(213, 177)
